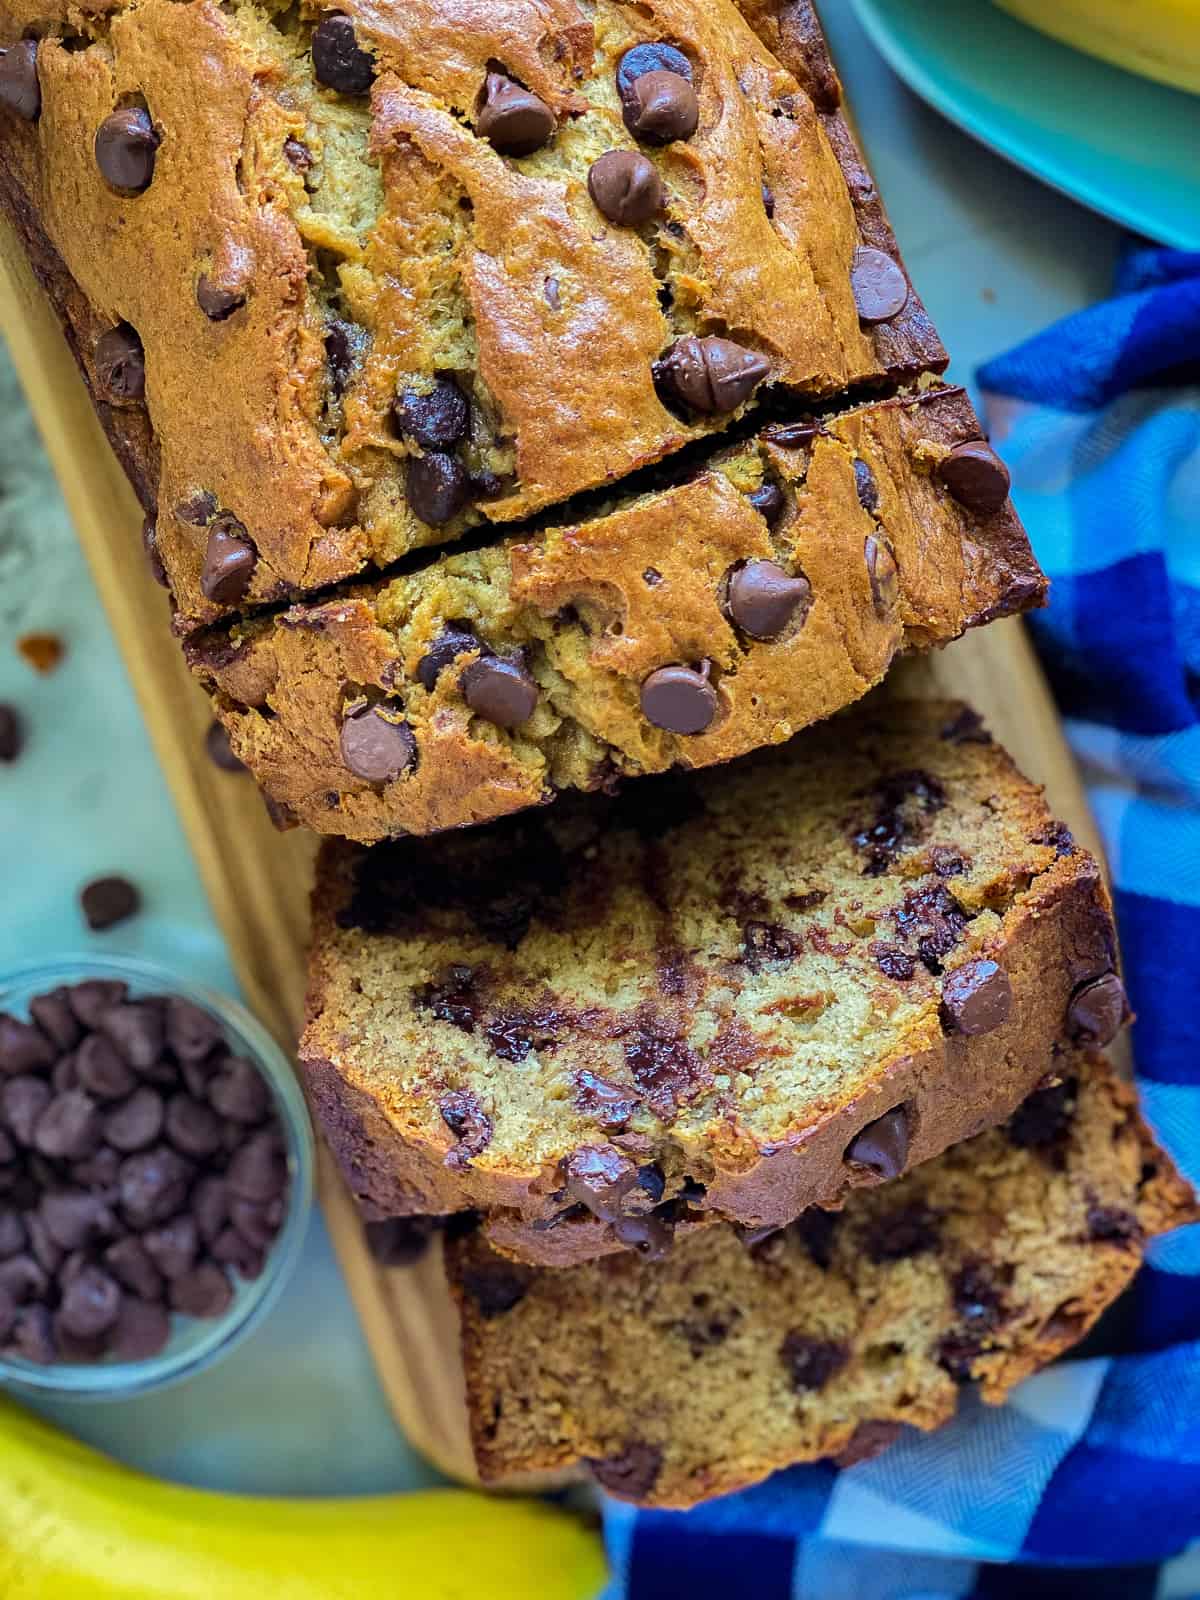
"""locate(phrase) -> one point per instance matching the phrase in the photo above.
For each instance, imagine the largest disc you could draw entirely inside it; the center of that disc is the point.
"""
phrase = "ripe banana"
(1157, 38)
(76, 1526)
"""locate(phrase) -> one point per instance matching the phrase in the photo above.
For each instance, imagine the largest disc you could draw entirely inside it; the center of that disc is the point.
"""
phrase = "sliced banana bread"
(684, 1379)
(684, 626)
(730, 995)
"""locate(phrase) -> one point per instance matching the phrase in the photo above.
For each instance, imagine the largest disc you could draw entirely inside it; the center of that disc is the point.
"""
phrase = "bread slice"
(679, 1380)
(682, 626)
(732, 995)
(309, 243)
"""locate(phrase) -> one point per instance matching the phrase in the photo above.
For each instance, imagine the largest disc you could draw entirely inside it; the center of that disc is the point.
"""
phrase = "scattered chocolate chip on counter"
(142, 1169)
(107, 901)
(42, 651)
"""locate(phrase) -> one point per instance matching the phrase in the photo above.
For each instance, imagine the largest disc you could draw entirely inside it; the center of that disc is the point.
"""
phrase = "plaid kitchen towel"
(1096, 1462)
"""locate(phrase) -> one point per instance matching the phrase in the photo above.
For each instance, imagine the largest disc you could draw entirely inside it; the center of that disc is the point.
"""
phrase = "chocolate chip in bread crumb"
(454, 640)
(710, 375)
(650, 56)
(43, 651)
(468, 1122)
(679, 700)
(626, 188)
(339, 62)
(763, 600)
(976, 477)
(512, 119)
(229, 561)
(1113, 1224)
(496, 1286)
(12, 733)
(197, 509)
(126, 149)
(878, 284)
(658, 101)
(217, 301)
(436, 418)
(811, 1362)
(769, 501)
(882, 1146)
(438, 486)
(377, 744)
(501, 691)
(884, 575)
(20, 90)
(205, 1291)
(632, 1473)
(1097, 1009)
(865, 486)
(219, 749)
(108, 901)
(976, 998)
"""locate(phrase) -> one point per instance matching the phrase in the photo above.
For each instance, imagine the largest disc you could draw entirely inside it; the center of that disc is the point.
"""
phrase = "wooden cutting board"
(258, 880)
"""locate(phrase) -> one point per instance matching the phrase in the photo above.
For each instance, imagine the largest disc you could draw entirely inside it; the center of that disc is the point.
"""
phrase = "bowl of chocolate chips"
(156, 1175)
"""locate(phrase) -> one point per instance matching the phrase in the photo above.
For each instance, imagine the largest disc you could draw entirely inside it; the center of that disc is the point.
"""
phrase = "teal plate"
(1121, 144)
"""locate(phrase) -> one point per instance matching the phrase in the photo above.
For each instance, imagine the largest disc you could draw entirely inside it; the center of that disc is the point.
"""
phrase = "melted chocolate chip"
(454, 640)
(470, 1125)
(665, 1069)
(765, 943)
(632, 1474)
(453, 998)
(513, 120)
(679, 700)
(438, 487)
(345, 345)
(809, 1362)
(377, 744)
(878, 284)
(976, 998)
(626, 188)
(932, 920)
(899, 1235)
(904, 801)
(599, 1177)
(19, 87)
(338, 61)
(865, 486)
(894, 962)
(610, 1104)
(769, 501)
(120, 365)
(882, 1146)
(126, 147)
(436, 418)
(764, 600)
(976, 477)
(710, 375)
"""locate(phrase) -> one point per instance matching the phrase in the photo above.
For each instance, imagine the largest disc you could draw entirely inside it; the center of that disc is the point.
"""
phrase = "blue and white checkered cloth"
(1095, 1463)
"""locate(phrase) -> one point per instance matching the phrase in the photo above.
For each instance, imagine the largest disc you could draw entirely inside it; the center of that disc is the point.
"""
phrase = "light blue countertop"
(297, 1409)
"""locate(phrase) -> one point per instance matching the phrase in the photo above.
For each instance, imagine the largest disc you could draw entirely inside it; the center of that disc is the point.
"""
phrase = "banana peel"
(1157, 39)
(75, 1525)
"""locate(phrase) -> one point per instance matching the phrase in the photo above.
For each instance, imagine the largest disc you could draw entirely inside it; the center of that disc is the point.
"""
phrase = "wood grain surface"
(257, 880)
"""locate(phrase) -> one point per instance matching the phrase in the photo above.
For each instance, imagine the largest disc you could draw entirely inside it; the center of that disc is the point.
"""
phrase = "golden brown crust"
(684, 1379)
(598, 605)
(717, 956)
(431, 251)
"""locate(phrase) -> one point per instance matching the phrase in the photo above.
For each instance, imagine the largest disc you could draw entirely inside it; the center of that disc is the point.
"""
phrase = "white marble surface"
(297, 1409)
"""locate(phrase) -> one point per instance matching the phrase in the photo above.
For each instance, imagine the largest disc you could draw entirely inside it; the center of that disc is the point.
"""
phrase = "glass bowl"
(194, 1343)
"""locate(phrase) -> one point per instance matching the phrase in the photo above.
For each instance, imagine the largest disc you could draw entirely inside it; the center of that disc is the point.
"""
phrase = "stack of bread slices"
(547, 456)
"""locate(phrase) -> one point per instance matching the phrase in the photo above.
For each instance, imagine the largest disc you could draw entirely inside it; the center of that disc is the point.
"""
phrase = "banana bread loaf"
(728, 996)
(345, 281)
(683, 626)
(684, 1379)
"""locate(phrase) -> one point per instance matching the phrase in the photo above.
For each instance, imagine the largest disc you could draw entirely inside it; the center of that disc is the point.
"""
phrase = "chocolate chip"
(630, 1475)
(23, 1048)
(610, 1104)
(501, 691)
(661, 106)
(229, 561)
(53, 1015)
(126, 148)
(1113, 1223)
(220, 751)
(136, 1122)
(976, 998)
(205, 1291)
(198, 509)
(13, 1234)
(138, 1030)
(299, 156)
(120, 365)
(190, 1030)
(172, 1248)
(141, 1330)
(882, 1146)
(878, 284)
(192, 1127)
(468, 1122)
(436, 418)
(90, 1303)
(377, 744)
(74, 1218)
(496, 1286)
(345, 345)
(679, 700)
(338, 61)
(69, 1128)
(656, 56)
(900, 1235)
(32, 1335)
(399, 1241)
(232, 1250)
(19, 87)
(767, 942)
(12, 733)
(1044, 1118)
(769, 501)
(438, 486)
(22, 1279)
(257, 1224)
(884, 575)
(22, 1101)
(976, 477)
(763, 600)
(47, 1254)
(650, 1236)
(107, 901)
(809, 1362)
(626, 188)
(210, 1207)
(599, 1177)
(977, 1298)
(98, 1171)
(869, 1439)
(216, 300)
(512, 119)
(452, 642)
(90, 999)
(152, 1186)
(710, 374)
(239, 1092)
(1097, 1009)
(865, 486)
(258, 1170)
